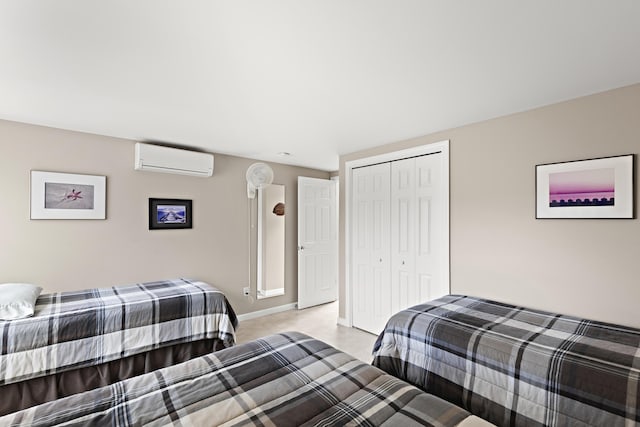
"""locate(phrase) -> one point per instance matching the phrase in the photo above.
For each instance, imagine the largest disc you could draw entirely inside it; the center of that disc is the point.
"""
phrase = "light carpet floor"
(319, 322)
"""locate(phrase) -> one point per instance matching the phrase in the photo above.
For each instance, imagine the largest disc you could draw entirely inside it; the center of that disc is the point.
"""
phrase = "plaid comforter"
(288, 379)
(76, 329)
(515, 366)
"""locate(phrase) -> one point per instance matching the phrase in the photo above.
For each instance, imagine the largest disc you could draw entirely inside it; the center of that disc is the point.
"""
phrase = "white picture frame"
(56, 195)
(592, 188)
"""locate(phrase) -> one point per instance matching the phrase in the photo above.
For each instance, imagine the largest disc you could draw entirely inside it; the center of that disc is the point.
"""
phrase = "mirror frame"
(271, 241)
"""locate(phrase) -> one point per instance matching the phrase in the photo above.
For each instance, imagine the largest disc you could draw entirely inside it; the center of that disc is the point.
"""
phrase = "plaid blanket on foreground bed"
(288, 379)
(84, 328)
(516, 366)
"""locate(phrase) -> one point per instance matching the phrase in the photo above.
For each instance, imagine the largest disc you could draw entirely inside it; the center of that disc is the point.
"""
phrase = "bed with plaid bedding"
(516, 366)
(287, 379)
(70, 330)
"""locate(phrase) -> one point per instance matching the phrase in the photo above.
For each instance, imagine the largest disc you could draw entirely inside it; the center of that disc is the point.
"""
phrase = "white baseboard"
(270, 293)
(266, 311)
(343, 321)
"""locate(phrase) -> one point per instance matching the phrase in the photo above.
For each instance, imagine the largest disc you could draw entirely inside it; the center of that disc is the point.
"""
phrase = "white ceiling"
(316, 78)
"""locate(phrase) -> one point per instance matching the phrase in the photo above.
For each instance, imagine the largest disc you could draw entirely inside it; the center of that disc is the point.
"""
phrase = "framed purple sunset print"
(593, 188)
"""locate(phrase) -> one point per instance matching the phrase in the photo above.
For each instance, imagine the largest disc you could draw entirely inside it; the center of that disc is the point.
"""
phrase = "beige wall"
(588, 268)
(71, 254)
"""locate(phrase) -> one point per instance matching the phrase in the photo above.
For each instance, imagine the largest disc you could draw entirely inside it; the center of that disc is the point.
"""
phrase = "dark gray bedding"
(287, 379)
(81, 340)
(516, 366)
(74, 329)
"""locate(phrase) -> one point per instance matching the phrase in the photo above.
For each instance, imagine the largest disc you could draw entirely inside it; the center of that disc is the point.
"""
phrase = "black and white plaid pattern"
(84, 328)
(516, 366)
(287, 379)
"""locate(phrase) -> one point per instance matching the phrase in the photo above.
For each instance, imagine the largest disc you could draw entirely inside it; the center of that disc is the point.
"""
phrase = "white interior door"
(317, 242)
(371, 287)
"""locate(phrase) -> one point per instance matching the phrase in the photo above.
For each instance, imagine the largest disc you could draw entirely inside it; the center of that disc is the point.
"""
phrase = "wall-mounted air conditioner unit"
(156, 158)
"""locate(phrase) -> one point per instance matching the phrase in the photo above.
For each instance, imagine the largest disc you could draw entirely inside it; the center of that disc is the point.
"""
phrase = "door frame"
(442, 147)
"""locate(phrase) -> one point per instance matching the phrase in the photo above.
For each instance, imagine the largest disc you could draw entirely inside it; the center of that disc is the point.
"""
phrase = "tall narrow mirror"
(271, 216)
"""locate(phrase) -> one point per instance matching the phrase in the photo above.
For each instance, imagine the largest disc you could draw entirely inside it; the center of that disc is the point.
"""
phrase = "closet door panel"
(362, 272)
(430, 229)
(424, 288)
(371, 290)
(403, 239)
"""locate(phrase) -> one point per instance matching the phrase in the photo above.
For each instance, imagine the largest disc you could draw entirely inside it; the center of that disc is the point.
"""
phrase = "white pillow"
(18, 300)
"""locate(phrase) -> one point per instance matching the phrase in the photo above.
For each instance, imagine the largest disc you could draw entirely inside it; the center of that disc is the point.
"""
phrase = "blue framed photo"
(170, 214)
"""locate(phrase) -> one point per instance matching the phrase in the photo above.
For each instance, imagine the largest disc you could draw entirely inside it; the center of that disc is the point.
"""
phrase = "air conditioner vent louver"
(156, 158)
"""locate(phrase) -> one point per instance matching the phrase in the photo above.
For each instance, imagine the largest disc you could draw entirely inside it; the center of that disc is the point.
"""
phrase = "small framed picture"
(170, 214)
(593, 188)
(56, 195)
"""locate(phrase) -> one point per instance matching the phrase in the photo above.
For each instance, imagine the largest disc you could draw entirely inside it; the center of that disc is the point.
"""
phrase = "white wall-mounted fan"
(258, 174)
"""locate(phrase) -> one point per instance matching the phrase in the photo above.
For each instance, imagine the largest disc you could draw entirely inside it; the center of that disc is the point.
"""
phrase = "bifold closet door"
(371, 255)
(404, 216)
(417, 231)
